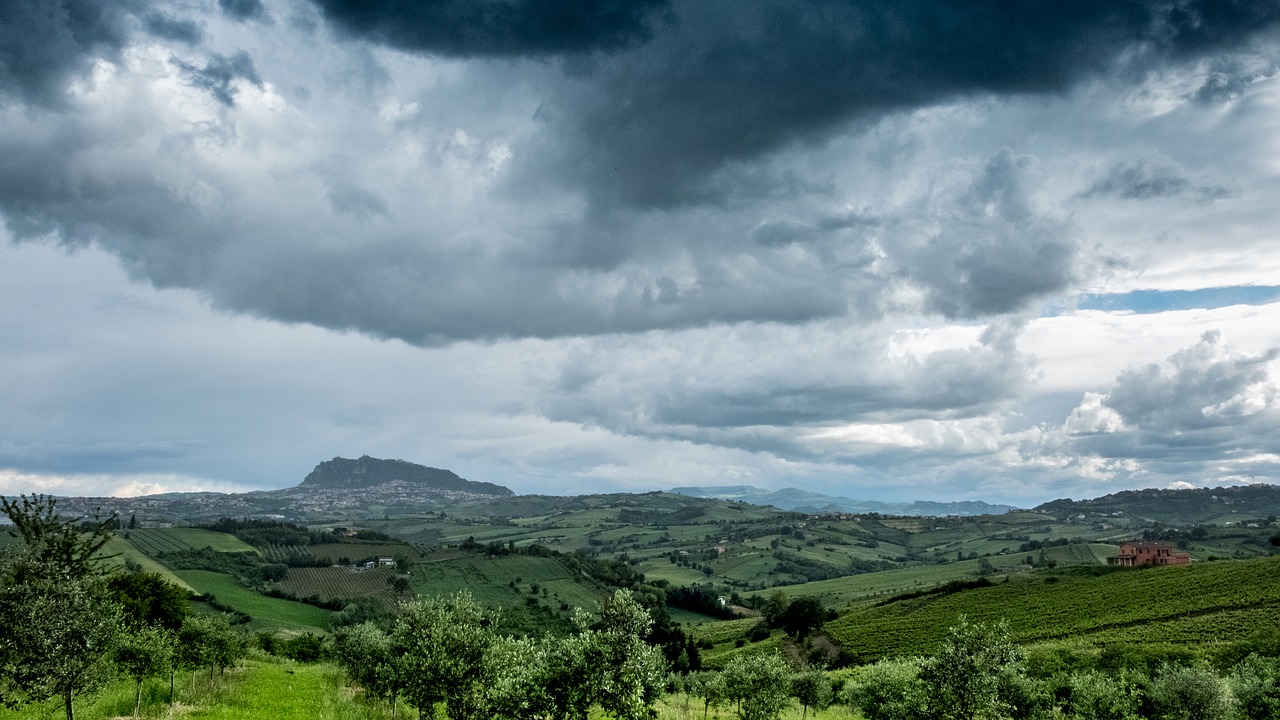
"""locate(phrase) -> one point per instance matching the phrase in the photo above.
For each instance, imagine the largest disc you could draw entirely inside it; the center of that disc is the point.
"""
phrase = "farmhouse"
(1148, 552)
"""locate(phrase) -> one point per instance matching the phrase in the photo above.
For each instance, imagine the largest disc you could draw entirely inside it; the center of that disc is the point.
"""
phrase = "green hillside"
(122, 552)
(270, 614)
(1201, 602)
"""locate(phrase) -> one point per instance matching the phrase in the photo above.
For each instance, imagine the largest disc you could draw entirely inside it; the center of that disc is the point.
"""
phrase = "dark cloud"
(219, 74)
(1143, 180)
(44, 42)
(243, 10)
(167, 27)
(501, 28)
(669, 122)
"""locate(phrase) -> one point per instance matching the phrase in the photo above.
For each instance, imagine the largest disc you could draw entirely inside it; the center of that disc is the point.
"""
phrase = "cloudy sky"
(1008, 250)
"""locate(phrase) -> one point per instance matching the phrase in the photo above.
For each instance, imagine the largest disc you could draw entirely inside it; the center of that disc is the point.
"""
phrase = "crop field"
(160, 540)
(505, 580)
(268, 613)
(1044, 607)
(337, 553)
(341, 583)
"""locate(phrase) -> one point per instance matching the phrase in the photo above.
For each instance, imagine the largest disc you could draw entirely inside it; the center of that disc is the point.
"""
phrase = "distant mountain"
(805, 501)
(337, 489)
(1179, 507)
(368, 472)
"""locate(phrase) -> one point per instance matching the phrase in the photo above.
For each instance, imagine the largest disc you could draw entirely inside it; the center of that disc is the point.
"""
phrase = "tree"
(367, 654)
(1190, 693)
(632, 672)
(62, 623)
(1255, 683)
(759, 684)
(149, 599)
(890, 690)
(802, 616)
(1096, 696)
(569, 674)
(708, 685)
(60, 543)
(205, 640)
(812, 689)
(59, 630)
(444, 642)
(963, 679)
(143, 653)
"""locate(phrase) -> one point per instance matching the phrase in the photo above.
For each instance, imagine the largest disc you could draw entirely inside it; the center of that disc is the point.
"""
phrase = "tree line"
(72, 625)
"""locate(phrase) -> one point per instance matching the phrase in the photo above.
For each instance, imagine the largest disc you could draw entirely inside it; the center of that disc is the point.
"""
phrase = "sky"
(1002, 250)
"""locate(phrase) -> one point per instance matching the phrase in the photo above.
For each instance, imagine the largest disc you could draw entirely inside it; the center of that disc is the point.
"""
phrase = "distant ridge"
(367, 472)
(805, 501)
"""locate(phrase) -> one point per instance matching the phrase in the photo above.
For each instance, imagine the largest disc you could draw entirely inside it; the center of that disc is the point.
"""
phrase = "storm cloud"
(834, 240)
(45, 43)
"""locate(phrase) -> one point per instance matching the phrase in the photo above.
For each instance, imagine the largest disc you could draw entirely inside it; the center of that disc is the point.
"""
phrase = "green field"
(161, 540)
(270, 614)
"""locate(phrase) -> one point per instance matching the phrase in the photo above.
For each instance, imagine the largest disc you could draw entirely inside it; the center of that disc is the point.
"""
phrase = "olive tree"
(444, 643)
(891, 689)
(631, 673)
(708, 685)
(60, 622)
(812, 689)
(370, 658)
(1255, 683)
(143, 653)
(59, 632)
(759, 684)
(963, 679)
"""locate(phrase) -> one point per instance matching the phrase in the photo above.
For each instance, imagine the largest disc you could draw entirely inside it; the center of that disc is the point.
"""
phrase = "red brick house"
(1149, 552)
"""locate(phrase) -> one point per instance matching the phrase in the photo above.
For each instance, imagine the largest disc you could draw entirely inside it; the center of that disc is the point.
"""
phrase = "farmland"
(330, 583)
(269, 614)
(154, 541)
(505, 580)
(1129, 605)
(341, 553)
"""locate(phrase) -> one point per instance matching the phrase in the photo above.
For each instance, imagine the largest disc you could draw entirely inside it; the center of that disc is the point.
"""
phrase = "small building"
(1148, 552)
(387, 562)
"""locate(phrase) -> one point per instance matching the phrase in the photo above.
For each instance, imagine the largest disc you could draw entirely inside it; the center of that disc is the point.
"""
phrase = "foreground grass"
(285, 690)
(265, 688)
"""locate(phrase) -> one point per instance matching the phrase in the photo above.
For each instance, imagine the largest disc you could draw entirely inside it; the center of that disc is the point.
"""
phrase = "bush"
(1189, 693)
(889, 690)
